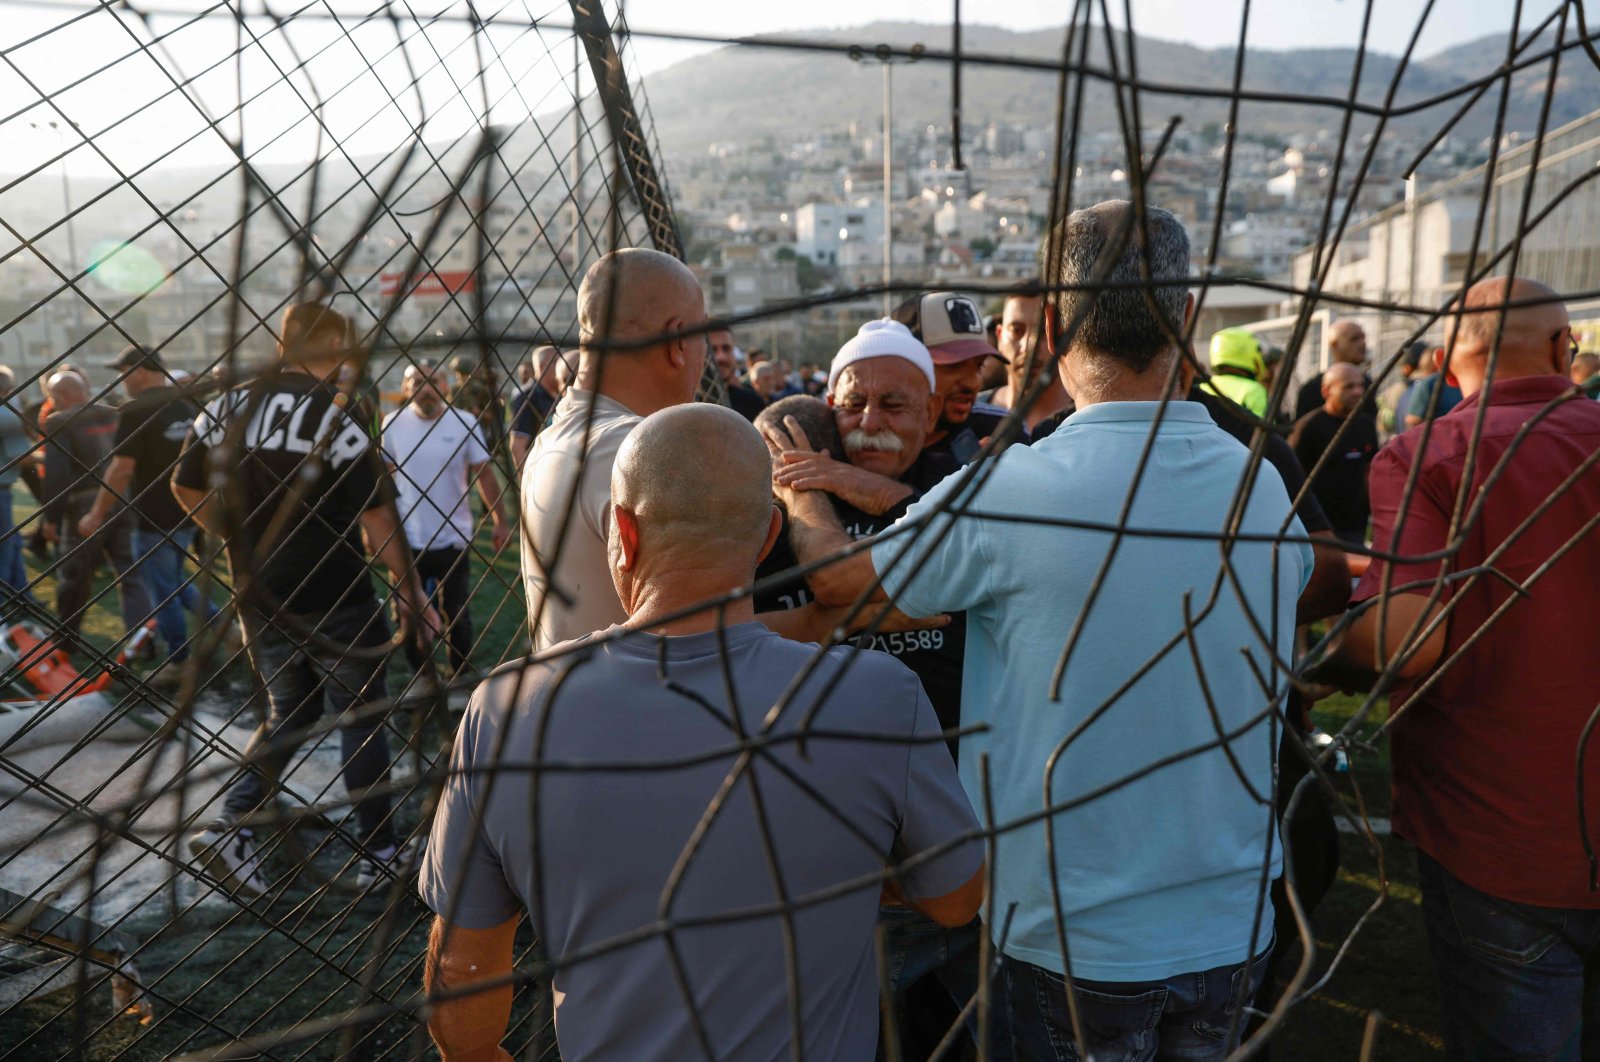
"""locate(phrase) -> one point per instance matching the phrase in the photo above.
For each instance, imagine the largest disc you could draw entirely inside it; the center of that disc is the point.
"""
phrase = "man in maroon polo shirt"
(1487, 732)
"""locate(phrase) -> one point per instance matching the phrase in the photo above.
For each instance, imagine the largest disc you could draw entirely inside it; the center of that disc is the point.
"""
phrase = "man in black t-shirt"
(1341, 483)
(151, 428)
(881, 390)
(282, 473)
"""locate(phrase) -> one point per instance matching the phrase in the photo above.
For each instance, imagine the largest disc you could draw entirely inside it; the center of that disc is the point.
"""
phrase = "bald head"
(1343, 387)
(1347, 343)
(67, 390)
(1533, 342)
(697, 482)
(1585, 367)
(630, 295)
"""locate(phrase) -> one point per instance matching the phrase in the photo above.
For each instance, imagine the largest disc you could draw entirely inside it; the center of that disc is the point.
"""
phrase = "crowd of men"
(999, 676)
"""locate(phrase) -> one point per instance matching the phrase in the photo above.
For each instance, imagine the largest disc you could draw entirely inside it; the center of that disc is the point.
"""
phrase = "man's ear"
(627, 537)
(774, 529)
(1052, 328)
(935, 407)
(678, 349)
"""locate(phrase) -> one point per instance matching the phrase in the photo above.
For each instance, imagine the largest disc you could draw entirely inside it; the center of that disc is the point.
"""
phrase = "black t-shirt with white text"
(315, 562)
(935, 655)
(151, 430)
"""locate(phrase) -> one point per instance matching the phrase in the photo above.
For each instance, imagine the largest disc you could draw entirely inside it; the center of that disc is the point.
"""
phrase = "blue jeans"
(917, 946)
(1185, 1018)
(1512, 981)
(13, 574)
(160, 565)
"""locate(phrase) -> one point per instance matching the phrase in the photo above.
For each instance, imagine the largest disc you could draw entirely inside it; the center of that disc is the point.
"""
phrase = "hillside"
(744, 91)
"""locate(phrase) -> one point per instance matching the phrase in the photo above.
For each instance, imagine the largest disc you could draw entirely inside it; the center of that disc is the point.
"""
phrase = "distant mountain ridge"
(743, 91)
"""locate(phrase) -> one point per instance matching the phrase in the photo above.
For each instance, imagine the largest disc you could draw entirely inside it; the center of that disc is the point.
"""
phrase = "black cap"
(1411, 357)
(134, 356)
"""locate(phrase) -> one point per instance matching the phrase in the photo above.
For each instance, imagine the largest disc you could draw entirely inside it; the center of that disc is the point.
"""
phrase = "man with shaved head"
(1339, 480)
(79, 437)
(531, 406)
(594, 856)
(632, 305)
(1496, 683)
(1347, 345)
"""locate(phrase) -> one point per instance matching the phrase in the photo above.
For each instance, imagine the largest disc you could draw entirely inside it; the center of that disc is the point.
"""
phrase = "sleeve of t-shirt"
(936, 811)
(525, 418)
(477, 451)
(191, 468)
(1281, 457)
(461, 879)
(1427, 523)
(123, 444)
(594, 491)
(933, 564)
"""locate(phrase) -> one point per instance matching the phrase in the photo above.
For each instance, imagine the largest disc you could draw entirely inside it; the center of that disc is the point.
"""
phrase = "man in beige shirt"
(628, 297)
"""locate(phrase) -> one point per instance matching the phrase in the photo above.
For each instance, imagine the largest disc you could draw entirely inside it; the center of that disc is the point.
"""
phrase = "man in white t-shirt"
(436, 453)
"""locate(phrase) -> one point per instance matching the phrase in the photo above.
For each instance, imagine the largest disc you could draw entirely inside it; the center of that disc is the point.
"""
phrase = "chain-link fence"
(423, 193)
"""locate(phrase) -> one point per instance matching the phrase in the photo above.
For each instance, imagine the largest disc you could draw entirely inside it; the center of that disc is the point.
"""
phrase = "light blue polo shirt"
(1158, 876)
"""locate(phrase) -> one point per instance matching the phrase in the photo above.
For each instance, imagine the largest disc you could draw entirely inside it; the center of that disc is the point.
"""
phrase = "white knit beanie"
(882, 339)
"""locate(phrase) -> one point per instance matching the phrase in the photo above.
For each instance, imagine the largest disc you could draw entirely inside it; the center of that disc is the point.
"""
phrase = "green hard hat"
(1237, 349)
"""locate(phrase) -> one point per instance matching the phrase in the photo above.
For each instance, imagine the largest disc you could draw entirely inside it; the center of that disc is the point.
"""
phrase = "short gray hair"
(1123, 322)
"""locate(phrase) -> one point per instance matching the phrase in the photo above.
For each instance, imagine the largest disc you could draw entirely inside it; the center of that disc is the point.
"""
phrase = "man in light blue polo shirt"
(1163, 840)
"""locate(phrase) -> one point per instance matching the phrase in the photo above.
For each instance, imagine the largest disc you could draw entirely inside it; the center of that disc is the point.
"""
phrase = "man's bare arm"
(1327, 592)
(111, 496)
(953, 909)
(493, 500)
(202, 507)
(1357, 658)
(469, 1028)
(380, 526)
(815, 533)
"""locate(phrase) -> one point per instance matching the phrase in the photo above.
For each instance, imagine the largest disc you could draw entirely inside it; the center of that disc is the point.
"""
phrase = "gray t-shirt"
(608, 837)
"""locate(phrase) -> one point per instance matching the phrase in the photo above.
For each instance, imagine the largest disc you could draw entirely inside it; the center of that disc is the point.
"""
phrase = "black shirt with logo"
(152, 428)
(1341, 484)
(935, 655)
(315, 562)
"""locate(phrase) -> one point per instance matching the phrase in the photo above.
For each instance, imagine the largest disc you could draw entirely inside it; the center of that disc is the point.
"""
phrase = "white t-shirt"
(579, 444)
(433, 461)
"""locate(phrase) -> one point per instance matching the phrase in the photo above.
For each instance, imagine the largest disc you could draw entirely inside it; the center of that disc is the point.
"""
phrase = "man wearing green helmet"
(1238, 369)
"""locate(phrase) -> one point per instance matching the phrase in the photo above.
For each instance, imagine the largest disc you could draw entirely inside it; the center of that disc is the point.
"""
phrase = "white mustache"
(886, 441)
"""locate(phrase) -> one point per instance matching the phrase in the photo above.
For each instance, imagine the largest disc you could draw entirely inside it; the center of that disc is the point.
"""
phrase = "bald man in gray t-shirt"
(645, 725)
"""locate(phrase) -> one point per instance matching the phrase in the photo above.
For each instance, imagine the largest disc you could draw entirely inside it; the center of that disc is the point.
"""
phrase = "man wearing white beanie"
(882, 391)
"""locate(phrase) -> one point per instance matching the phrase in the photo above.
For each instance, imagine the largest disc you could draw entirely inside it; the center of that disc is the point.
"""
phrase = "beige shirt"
(578, 447)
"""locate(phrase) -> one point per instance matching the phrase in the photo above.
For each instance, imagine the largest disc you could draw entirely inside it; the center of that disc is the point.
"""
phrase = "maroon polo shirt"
(1485, 760)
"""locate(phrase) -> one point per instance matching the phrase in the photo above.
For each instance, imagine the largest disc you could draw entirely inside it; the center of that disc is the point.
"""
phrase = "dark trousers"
(1516, 982)
(920, 949)
(304, 678)
(81, 559)
(446, 576)
(1185, 1018)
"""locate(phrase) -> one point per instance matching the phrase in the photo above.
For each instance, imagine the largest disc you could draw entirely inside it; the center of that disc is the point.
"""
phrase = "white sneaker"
(381, 863)
(231, 857)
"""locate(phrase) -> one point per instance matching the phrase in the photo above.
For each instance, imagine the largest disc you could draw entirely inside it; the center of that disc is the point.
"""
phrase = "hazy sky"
(524, 78)
(1210, 23)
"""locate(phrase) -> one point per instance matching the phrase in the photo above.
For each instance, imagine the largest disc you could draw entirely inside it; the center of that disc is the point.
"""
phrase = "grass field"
(199, 962)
